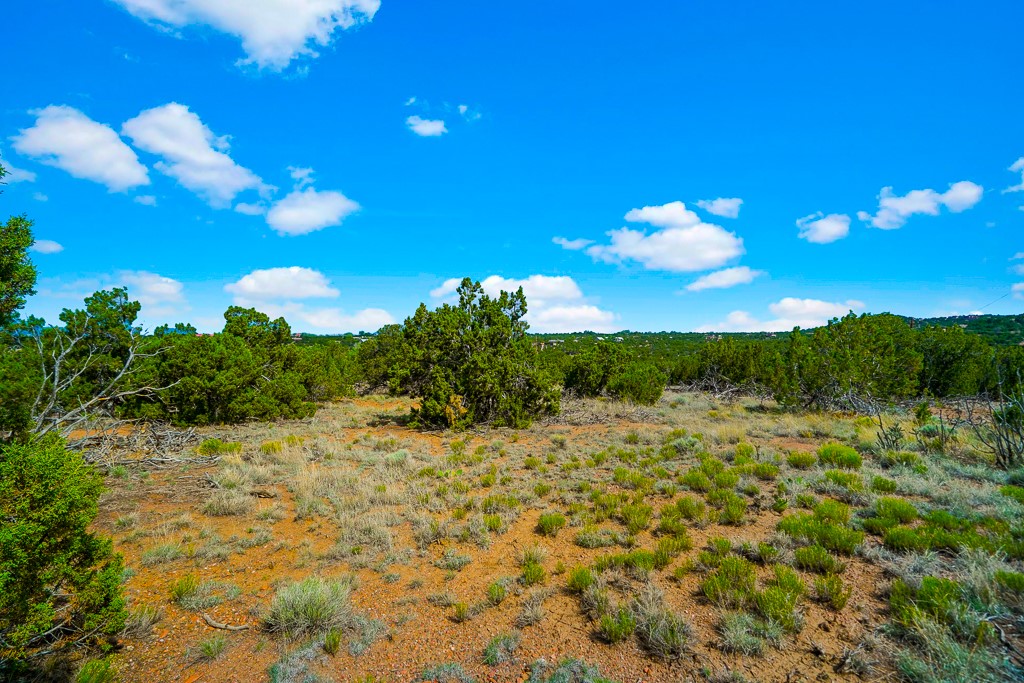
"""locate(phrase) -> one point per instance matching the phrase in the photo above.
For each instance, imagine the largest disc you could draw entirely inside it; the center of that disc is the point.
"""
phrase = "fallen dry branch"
(226, 627)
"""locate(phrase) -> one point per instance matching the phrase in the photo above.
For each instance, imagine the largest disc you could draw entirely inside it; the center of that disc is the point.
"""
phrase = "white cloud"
(571, 319)
(146, 200)
(47, 247)
(273, 32)
(275, 291)
(411, 101)
(69, 140)
(302, 176)
(250, 209)
(555, 303)
(727, 208)
(671, 215)
(1018, 290)
(789, 313)
(469, 114)
(325, 320)
(722, 279)
(191, 153)
(1018, 269)
(16, 175)
(305, 211)
(894, 210)
(821, 229)
(1017, 166)
(1018, 255)
(686, 244)
(428, 128)
(40, 197)
(152, 289)
(294, 282)
(572, 245)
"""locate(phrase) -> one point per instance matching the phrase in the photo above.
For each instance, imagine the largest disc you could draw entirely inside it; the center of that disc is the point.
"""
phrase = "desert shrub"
(636, 517)
(461, 612)
(817, 559)
(446, 673)
(901, 510)
(228, 502)
(904, 538)
(766, 471)
(831, 590)
(496, 593)
(778, 606)
(451, 560)
(696, 480)
(809, 528)
(732, 583)
(638, 382)
(801, 460)
(661, 632)
(838, 455)
(97, 671)
(580, 579)
(54, 573)
(211, 648)
(532, 573)
(501, 648)
(592, 537)
(616, 626)
(310, 607)
(744, 633)
(882, 485)
(550, 523)
(851, 481)
(218, 447)
(787, 580)
(733, 510)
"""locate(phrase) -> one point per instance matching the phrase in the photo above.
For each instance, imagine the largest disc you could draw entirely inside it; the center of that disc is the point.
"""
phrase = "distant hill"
(998, 330)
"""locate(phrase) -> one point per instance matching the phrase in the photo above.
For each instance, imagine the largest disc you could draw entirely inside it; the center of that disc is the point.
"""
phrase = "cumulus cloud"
(727, 208)
(66, 138)
(683, 244)
(152, 289)
(279, 292)
(250, 209)
(326, 320)
(722, 279)
(273, 32)
(1017, 167)
(293, 282)
(427, 128)
(555, 302)
(572, 245)
(894, 210)
(46, 247)
(146, 200)
(788, 313)
(191, 154)
(307, 210)
(821, 229)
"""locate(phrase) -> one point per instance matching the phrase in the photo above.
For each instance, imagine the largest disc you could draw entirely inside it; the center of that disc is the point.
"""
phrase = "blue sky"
(339, 161)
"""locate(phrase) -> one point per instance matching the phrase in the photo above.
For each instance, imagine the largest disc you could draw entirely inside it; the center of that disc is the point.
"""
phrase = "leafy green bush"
(54, 573)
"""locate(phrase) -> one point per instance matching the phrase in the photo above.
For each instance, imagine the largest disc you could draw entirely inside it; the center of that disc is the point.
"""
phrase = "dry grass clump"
(311, 607)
